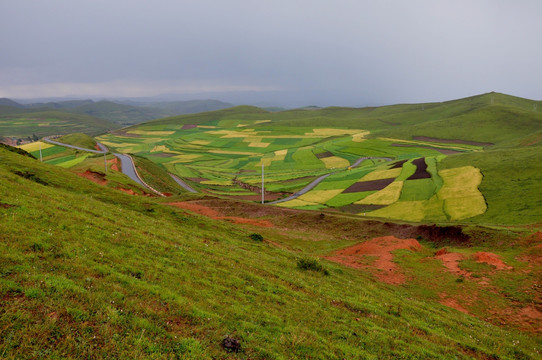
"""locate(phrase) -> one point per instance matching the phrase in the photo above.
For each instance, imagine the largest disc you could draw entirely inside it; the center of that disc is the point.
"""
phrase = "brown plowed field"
(452, 141)
(324, 155)
(373, 185)
(421, 170)
(442, 151)
(398, 164)
(188, 126)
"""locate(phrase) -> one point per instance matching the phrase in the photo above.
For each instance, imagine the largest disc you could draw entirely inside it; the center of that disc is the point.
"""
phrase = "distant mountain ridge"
(120, 112)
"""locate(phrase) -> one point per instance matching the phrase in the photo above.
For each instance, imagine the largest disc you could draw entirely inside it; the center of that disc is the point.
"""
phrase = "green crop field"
(51, 123)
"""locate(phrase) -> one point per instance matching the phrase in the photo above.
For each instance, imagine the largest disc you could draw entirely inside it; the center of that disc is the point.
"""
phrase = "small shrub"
(256, 237)
(311, 264)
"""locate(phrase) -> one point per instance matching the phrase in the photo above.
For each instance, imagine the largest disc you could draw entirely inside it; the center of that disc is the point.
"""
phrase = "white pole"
(263, 190)
(41, 157)
(105, 163)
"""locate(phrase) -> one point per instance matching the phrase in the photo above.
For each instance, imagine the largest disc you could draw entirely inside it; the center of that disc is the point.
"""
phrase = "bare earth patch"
(451, 262)
(214, 214)
(380, 248)
(94, 177)
(451, 302)
(491, 259)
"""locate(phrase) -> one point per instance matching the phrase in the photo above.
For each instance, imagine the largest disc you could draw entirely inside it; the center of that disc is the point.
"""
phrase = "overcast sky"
(333, 52)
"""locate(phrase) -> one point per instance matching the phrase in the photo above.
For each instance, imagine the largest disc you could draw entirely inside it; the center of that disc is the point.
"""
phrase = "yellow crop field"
(296, 203)
(320, 196)
(386, 196)
(150, 132)
(218, 151)
(460, 193)
(322, 132)
(35, 146)
(402, 210)
(258, 144)
(158, 148)
(185, 157)
(280, 155)
(359, 137)
(206, 126)
(335, 162)
(217, 182)
(382, 174)
(200, 142)
(462, 208)
(460, 182)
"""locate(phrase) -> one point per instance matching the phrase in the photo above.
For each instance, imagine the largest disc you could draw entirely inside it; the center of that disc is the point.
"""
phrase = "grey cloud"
(341, 52)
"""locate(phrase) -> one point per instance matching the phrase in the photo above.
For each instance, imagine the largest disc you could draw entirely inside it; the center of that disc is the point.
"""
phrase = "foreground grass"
(87, 271)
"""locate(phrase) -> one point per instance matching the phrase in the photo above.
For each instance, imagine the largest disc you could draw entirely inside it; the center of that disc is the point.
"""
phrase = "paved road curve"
(182, 183)
(313, 184)
(101, 146)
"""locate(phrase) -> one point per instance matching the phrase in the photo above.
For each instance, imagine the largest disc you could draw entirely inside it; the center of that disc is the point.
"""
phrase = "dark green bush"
(311, 264)
(256, 237)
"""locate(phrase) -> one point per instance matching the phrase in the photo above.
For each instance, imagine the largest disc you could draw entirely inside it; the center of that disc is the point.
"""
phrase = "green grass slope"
(78, 139)
(90, 272)
(51, 123)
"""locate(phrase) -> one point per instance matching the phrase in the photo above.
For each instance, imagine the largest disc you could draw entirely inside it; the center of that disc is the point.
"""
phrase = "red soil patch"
(451, 262)
(450, 302)
(213, 214)
(115, 164)
(491, 259)
(268, 197)
(94, 177)
(188, 126)
(380, 248)
(132, 192)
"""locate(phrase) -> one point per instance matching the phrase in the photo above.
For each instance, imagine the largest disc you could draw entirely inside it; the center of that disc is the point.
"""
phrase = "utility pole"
(41, 157)
(263, 190)
(105, 163)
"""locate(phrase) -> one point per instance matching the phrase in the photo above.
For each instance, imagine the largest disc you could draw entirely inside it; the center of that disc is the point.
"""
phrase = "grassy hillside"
(51, 123)
(78, 139)
(93, 272)
(119, 113)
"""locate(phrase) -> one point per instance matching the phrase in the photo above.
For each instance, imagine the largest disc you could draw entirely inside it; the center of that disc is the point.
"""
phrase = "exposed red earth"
(491, 259)
(94, 177)
(214, 214)
(115, 164)
(451, 302)
(357, 257)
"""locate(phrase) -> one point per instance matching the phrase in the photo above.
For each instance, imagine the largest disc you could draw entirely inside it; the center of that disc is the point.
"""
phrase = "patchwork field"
(226, 157)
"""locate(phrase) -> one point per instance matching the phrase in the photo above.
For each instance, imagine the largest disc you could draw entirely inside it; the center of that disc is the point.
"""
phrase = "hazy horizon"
(286, 53)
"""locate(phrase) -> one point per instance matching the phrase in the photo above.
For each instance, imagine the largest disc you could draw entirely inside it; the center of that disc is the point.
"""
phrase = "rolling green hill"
(89, 271)
(45, 123)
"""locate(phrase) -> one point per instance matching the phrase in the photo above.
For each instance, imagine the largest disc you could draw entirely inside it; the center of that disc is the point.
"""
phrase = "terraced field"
(225, 157)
